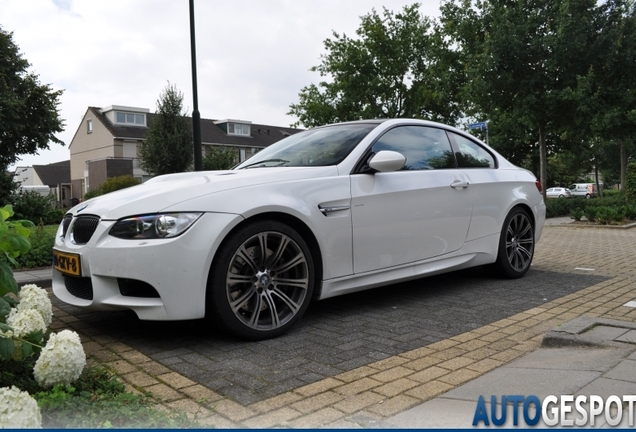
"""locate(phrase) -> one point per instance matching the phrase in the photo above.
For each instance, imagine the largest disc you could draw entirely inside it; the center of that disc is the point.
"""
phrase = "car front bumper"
(176, 268)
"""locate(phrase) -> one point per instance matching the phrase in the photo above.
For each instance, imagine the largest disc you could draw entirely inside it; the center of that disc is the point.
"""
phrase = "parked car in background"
(586, 190)
(558, 192)
(324, 212)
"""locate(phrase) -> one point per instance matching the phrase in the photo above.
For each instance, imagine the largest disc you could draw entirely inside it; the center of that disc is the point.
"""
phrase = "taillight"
(538, 185)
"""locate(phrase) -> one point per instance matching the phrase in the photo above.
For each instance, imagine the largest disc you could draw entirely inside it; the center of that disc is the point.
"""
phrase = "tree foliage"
(398, 66)
(220, 158)
(112, 184)
(29, 116)
(168, 146)
(554, 78)
(523, 59)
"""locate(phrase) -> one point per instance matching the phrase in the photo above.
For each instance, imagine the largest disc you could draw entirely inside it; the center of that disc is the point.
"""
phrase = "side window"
(471, 154)
(425, 148)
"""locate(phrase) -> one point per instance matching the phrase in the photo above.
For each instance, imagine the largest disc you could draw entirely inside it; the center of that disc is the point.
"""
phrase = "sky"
(253, 56)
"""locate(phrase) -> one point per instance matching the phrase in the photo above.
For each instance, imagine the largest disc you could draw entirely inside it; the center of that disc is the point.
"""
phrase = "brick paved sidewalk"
(392, 385)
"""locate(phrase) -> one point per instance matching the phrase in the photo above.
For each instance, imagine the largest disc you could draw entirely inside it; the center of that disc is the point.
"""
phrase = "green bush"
(220, 159)
(591, 213)
(32, 206)
(98, 400)
(576, 214)
(611, 192)
(41, 239)
(112, 184)
(630, 183)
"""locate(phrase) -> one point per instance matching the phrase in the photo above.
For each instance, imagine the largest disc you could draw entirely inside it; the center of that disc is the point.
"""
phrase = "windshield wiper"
(263, 162)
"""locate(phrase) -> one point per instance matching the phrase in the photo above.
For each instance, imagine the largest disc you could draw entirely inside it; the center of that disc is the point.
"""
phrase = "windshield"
(323, 146)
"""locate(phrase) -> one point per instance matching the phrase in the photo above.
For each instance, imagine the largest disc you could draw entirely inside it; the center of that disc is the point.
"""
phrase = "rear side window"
(425, 148)
(472, 155)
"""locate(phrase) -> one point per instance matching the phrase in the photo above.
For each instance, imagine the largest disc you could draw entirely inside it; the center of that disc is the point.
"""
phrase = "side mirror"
(387, 161)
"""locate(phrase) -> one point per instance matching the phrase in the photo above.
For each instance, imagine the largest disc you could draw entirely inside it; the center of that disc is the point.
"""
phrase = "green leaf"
(6, 212)
(27, 350)
(7, 348)
(7, 281)
(5, 328)
(25, 223)
(5, 309)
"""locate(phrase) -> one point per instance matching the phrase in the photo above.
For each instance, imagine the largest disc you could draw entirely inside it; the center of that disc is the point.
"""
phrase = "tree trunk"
(623, 165)
(543, 159)
(599, 191)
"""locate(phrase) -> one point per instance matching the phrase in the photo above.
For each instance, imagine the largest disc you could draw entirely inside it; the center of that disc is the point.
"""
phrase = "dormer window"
(131, 118)
(238, 129)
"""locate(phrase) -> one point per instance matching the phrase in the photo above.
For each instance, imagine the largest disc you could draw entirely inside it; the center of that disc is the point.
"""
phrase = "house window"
(238, 129)
(242, 154)
(89, 126)
(131, 118)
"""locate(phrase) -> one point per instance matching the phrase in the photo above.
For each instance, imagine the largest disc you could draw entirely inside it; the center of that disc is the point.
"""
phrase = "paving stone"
(272, 418)
(276, 402)
(317, 419)
(319, 387)
(140, 379)
(201, 394)
(429, 374)
(467, 307)
(317, 402)
(396, 387)
(393, 405)
(359, 386)
(176, 380)
(164, 392)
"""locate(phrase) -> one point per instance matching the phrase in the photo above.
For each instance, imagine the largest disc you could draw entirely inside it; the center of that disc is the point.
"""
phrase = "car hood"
(160, 193)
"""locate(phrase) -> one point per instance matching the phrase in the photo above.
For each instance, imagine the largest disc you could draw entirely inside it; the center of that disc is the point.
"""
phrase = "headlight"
(154, 226)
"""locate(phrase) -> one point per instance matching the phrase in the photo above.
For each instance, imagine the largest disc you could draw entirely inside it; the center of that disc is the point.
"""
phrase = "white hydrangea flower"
(61, 361)
(18, 409)
(33, 297)
(25, 321)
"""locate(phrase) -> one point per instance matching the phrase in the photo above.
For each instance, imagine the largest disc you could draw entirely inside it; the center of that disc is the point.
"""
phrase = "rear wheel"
(516, 245)
(262, 281)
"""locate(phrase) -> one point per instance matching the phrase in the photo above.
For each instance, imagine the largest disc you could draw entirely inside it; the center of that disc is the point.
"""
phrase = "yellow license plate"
(67, 263)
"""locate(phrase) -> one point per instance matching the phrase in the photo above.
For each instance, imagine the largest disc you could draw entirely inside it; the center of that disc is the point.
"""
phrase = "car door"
(418, 212)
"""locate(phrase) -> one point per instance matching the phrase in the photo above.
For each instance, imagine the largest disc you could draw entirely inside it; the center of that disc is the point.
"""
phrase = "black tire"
(261, 281)
(561, 196)
(516, 245)
(588, 196)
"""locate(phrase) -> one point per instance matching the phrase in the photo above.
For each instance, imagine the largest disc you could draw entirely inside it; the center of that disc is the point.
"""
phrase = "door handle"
(459, 184)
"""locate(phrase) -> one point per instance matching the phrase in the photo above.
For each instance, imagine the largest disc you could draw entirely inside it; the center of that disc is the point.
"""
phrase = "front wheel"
(516, 245)
(262, 281)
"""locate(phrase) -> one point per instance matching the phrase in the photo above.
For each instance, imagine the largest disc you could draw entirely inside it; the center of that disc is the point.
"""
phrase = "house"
(56, 176)
(105, 143)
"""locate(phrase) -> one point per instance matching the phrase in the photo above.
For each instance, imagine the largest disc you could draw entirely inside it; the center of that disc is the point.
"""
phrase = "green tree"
(29, 115)
(398, 66)
(522, 59)
(168, 146)
(606, 94)
(112, 184)
(220, 158)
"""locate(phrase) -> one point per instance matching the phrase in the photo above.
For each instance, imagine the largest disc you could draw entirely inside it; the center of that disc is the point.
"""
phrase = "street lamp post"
(196, 116)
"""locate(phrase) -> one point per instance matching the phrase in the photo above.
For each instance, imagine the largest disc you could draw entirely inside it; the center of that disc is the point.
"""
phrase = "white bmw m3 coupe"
(325, 212)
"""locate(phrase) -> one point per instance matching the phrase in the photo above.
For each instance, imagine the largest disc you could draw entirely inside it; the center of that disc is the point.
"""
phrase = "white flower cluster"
(33, 297)
(61, 361)
(24, 321)
(18, 409)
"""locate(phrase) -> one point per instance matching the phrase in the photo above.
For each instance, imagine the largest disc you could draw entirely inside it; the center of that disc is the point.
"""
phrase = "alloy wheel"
(519, 242)
(267, 280)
